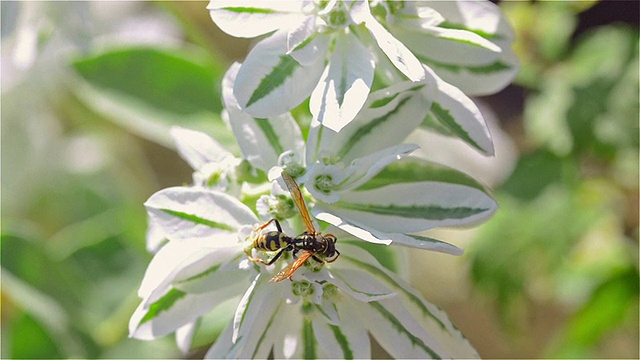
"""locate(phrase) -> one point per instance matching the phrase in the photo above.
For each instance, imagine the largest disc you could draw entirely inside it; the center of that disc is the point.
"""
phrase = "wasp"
(311, 242)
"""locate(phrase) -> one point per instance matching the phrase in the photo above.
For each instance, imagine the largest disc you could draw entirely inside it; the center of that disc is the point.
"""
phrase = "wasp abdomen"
(271, 241)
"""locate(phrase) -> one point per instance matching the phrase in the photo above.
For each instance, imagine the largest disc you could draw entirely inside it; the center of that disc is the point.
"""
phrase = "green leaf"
(28, 339)
(535, 172)
(610, 304)
(167, 80)
(143, 88)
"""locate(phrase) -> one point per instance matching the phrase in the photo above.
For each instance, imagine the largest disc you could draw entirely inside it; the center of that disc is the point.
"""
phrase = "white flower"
(315, 48)
(467, 43)
(330, 51)
(329, 313)
(349, 172)
(328, 310)
(325, 311)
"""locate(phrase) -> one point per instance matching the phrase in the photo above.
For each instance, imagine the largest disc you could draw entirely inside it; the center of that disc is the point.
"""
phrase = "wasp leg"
(335, 258)
(247, 251)
(277, 256)
(317, 259)
(267, 224)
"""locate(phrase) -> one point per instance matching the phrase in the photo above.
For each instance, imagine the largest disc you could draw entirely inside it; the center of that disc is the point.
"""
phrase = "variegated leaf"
(198, 213)
(250, 19)
(387, 118)
(261, 140)
(344, 85)
(271, 82)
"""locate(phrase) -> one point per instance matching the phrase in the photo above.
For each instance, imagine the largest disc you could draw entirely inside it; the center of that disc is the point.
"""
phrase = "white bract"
(355, 181)
(314, 48)
(354, 168)
(331, 51)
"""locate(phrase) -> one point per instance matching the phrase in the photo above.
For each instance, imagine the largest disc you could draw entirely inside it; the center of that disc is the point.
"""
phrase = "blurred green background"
(89, 91)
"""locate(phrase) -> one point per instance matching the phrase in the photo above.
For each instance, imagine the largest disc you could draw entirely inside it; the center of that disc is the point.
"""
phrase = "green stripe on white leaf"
(443, 118)
(397, 332)
(458, 114)
(261, 140)
(450, 46)
(329, 311)
(353, 329)
(172, 311)
(483, 18)
(370, 233)
(431, 212)
(426, 243)
(271, 135)
(342, 340)
(401, 57)
(186, 213)
(163, 304)
(417, 170)
(478, 80)
(262, 345)
(432, 318)
(364, 168)
(360, 286)
(188, 265)
(387, 118)
(284, 68)
(486, 69)
(332, 340)
(344, 84)
(245, 19)
(356, 257)
(243, 307)
(198, 220)
(270, 82)
(306, 45)
(260, 298)
(309, 343)
(215, 270)
(166, 263)
(484, 34)
(413, 207)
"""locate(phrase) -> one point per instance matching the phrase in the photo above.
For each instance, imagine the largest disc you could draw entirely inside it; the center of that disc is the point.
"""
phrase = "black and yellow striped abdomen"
(271, 241)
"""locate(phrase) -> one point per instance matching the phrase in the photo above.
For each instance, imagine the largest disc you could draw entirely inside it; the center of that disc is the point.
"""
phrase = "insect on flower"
(311, 242)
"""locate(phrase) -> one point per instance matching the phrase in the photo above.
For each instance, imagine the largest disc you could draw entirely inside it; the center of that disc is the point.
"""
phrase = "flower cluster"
(331, 51)
(356, 172)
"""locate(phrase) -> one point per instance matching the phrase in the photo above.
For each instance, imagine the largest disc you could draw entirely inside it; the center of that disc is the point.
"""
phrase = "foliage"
(89, 94)
(567, 231)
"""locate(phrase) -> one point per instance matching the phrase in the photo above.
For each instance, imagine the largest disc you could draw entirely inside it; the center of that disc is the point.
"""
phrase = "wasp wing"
(296, 195)
(288, 271)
